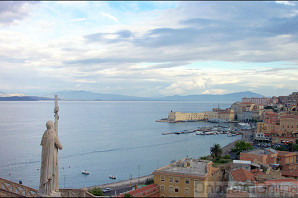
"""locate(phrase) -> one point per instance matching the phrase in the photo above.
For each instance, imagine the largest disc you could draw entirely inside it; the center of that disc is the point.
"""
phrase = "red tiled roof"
(150, 190)
(286, 153)
(294, 173)
(256, 172)
(242, 175)
(275, 181)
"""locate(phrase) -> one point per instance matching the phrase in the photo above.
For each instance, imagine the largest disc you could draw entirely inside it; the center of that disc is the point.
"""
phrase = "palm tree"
(215, 151)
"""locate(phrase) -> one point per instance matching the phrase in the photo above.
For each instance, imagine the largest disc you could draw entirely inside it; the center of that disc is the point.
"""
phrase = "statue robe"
(50, 144)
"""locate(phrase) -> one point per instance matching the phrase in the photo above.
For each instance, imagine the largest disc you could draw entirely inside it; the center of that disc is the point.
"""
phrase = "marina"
(213, 130)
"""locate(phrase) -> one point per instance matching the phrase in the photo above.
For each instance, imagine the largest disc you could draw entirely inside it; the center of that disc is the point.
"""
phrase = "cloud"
(155, 51)
(12, 11)
(119, 36)
(104, 14)
(285, 3)
(78, 19)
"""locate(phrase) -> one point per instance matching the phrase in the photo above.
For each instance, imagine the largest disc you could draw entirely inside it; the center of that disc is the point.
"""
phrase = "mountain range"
(91, 96)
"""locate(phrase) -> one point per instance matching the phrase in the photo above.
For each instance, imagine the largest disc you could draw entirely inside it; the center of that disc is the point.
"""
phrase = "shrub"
(149, 181)
(96, 191)
(204, 157)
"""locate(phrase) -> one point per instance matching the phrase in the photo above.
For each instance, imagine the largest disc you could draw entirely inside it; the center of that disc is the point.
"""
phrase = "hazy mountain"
(85, 95)
(23, 98)
(209, 97)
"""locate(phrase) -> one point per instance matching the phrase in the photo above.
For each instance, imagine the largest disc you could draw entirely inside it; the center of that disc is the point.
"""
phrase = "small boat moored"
(84, 172)
(112, 177)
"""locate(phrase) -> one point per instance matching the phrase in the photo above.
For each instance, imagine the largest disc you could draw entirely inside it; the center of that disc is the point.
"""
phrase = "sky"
(149, 49)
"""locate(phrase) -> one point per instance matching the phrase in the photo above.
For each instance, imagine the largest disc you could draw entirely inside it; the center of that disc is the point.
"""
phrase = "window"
(162, 188)
(196, 192)
(171, 189)
(162, 178)
(176, 189)
(186, 191)
(186, 181)
(176, 180)
(171, 179)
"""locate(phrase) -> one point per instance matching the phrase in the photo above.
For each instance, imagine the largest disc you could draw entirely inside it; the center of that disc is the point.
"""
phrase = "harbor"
(215, 130)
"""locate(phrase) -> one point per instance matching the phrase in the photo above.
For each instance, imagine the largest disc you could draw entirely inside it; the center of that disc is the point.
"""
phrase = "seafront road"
(123, 186)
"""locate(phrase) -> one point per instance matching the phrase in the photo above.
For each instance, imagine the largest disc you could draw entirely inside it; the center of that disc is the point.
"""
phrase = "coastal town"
(262, 164)
(149, 99)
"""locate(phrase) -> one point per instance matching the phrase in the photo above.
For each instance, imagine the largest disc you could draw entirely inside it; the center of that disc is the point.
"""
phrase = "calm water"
(105, 138)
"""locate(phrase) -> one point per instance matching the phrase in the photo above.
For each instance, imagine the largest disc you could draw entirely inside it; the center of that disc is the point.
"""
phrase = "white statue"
(49, 159)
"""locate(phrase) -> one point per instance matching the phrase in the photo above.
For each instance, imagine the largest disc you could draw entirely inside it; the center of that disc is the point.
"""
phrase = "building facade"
(184, 178)
(259, 101)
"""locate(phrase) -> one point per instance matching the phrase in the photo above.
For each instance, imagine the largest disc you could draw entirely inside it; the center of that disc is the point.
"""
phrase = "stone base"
(53, 194)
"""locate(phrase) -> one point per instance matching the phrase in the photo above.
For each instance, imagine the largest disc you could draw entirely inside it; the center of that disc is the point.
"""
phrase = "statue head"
(50, 124)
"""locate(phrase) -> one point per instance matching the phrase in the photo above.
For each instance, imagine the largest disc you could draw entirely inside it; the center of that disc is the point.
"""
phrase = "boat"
(209, 133)
(200, 133)
(112, 177)
(229, 135)
(84, 172)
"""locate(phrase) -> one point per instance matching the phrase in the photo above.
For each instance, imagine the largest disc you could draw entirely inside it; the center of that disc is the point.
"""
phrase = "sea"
(119, 138)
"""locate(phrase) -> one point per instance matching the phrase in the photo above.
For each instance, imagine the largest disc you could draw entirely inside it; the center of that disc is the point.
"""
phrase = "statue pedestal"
(54, 194)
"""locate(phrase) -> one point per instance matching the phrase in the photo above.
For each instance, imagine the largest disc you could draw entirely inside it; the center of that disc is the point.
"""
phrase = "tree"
(242, 146)
(149, 181)
(96, 191)
(215, 151)
(127, 195)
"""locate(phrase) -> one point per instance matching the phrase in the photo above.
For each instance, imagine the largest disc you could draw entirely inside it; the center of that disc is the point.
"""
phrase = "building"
(288, 125)
(284, 140)
(180, 116)
(239, 181)
(262, 137)
(288, 100)
(276, 188)
(244, 164)
(286, 161)
(279, 124)
(211, 115)
(259, 101)
(225, 115)
(184, 178)
(263, 156)
(241, 175)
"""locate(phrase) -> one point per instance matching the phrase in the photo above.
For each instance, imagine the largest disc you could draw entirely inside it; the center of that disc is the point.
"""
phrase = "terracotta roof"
(294, 173)
(242, 175)
(286, 153)
(274, 181)
(149, 190)
(256, 172)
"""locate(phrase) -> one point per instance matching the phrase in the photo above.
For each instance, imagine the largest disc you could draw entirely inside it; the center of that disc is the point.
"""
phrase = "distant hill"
(86, 95)
(90, 96)
(209, 97)
(24, 98)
